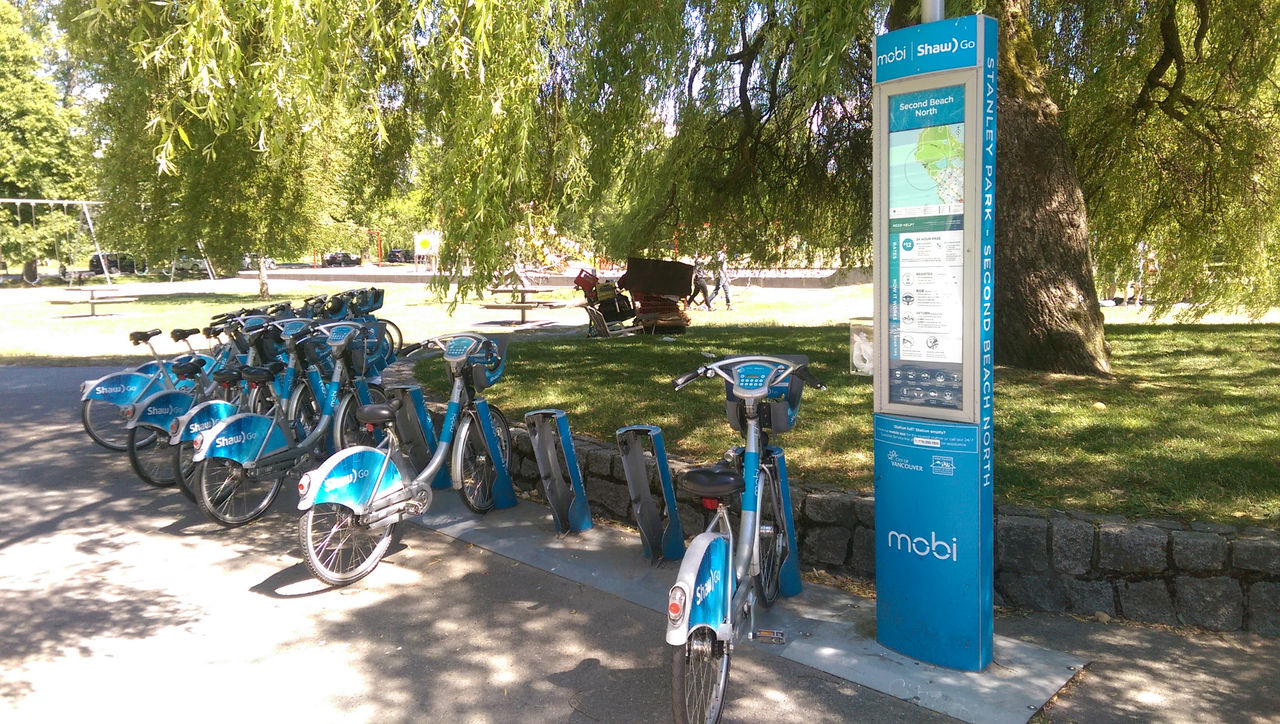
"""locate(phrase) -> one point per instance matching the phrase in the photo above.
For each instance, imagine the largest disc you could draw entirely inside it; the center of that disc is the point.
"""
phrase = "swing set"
(52, 204)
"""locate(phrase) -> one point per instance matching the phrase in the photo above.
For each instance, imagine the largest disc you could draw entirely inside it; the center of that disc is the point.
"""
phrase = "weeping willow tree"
(1172, 109)
(707, 124)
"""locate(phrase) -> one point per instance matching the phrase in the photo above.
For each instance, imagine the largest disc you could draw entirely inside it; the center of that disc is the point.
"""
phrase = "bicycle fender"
(202, 417)
(118, 388)
(241, 438)
(350, 478)
(706, 578)
(160, 409)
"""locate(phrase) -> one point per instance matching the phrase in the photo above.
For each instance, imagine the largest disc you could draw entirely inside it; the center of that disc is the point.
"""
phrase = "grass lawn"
(1189, 427)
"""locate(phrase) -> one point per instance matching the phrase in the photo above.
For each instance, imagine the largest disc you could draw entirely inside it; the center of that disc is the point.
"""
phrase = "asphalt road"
(117, 599)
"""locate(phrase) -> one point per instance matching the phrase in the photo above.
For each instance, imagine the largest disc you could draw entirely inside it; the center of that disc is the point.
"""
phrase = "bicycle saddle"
(380, 413)
(178, 335)
(188, 369)
(264, 373)
(713, 481)
(140, 337)
(226, 375)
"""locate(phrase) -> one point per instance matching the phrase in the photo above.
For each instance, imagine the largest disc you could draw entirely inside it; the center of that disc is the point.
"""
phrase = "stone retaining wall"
(1218, 577)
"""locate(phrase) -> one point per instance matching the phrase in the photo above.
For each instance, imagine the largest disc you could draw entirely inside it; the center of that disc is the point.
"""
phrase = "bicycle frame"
(713, 587)
(363, 478)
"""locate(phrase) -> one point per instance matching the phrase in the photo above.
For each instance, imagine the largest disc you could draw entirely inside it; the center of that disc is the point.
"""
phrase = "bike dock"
(662, 542)
(559, 470)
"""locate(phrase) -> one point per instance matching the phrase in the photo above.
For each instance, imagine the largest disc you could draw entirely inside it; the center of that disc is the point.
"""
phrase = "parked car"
(193, 264)
(341, 258)
(250, 262)
(116, 263)
(400, 255)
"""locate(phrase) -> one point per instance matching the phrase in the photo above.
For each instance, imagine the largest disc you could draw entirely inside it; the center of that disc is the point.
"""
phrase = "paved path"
(117, 599)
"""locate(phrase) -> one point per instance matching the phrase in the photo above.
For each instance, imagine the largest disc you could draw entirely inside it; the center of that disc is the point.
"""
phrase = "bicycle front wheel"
(107, 424)
(339, 549)
(184, 470)
(231, 495)
(151, 456)
(772, 542)
(474, 471)
(699, 677)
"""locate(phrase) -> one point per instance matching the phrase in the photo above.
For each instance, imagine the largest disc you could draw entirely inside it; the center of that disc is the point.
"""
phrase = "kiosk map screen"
(926, 247)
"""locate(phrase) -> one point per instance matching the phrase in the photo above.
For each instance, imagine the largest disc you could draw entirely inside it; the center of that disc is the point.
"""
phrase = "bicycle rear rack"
(561, 476)
(661, 543)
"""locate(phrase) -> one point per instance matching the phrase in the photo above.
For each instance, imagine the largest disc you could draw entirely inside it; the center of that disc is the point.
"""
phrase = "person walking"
(722, 280)
(700, 279)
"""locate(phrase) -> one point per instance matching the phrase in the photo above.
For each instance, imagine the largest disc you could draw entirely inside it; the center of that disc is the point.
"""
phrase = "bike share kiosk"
(934, 222)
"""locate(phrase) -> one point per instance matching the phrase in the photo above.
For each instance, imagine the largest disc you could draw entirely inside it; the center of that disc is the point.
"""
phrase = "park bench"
(93, 300)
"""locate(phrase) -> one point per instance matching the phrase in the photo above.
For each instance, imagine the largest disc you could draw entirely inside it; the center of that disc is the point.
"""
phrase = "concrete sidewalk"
(1133, 672)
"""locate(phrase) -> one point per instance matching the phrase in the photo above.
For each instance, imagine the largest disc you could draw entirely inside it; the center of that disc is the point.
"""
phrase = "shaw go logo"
(924, 547)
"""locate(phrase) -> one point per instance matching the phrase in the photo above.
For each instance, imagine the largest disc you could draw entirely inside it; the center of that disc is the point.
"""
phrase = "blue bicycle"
(352, 502)
(713, 600)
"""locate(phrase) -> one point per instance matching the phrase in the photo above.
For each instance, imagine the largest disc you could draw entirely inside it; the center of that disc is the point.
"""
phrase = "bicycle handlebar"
(688, 377)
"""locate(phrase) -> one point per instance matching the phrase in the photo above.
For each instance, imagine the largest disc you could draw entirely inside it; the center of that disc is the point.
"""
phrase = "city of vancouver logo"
(898, 461)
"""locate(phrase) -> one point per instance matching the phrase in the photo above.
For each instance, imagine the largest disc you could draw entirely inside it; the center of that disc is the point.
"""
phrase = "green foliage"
(1171, 110)
(37, 152)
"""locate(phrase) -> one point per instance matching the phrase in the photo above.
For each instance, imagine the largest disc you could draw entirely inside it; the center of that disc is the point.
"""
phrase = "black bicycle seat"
(180, 334)
(188, 369)
(713, 481)
(258, 374)
(140, 337)
(379, 413)
(226, 375)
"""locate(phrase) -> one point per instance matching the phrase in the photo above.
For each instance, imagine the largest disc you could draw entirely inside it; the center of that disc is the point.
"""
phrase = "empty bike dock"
(825, 629)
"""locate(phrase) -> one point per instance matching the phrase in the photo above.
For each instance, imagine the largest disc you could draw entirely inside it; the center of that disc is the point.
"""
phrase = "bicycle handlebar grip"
(409, 349)
(686, 378)
(809, 378)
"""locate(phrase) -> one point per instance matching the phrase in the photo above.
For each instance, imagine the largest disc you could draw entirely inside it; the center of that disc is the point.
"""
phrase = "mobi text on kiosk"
(934, 219)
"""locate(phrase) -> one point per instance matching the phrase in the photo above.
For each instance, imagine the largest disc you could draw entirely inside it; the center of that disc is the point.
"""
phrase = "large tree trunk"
(1047, 313)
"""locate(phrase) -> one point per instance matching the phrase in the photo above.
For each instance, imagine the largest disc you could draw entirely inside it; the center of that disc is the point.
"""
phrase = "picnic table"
(92, 298)
(525, 303)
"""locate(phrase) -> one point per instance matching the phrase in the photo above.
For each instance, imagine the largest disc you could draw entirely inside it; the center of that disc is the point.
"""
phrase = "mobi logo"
(898, 461)
(925, 547)
(893, 56)
(704, 589)
(943, 465)
(226, 440)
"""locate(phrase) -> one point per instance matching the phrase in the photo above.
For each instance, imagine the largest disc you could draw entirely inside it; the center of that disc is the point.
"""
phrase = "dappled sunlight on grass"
(1188, 427)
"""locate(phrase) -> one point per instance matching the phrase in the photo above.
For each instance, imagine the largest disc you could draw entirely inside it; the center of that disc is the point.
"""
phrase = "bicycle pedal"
(771, 636)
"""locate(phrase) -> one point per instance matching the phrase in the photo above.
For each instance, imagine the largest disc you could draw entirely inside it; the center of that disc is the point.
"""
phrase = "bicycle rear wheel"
(773, 538)
(106, 424)
(338, 549)
(349, 431)
(472, 467)
(231, 495)
(699, 677)
(151, 456)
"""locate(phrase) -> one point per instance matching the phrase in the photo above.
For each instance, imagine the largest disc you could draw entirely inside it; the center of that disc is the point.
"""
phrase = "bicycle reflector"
(174, 426)
(199, 441)
(675, 604)
(304, 484)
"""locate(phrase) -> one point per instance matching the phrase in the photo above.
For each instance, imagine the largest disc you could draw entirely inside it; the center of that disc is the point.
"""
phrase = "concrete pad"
(825, 629)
